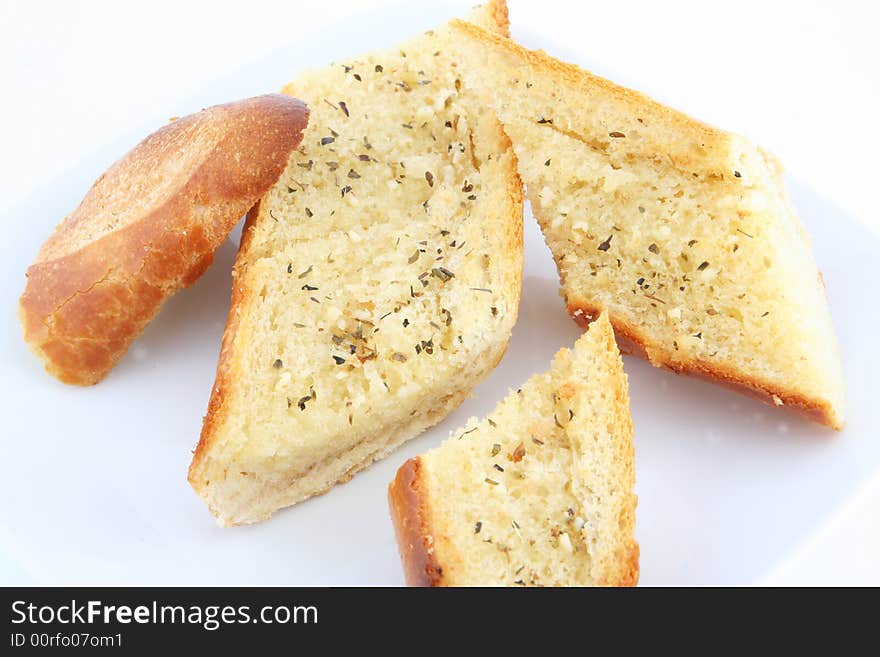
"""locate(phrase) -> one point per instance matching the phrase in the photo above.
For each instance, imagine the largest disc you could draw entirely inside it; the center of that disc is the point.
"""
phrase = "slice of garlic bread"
(683, 232)
(376, 284)
(539, 493)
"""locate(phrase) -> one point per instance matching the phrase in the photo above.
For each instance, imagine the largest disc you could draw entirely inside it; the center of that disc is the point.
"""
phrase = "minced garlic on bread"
(148, 227)
(376, 284)
(539, 493)
(683, 232)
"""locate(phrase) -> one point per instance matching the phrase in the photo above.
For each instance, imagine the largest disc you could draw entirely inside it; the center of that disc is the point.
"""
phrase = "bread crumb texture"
(378, 281)
(540, 492)
(683, 232)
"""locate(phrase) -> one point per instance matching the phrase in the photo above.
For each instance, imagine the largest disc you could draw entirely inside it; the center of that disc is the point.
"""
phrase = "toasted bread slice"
(683, 232)
(539, 493)
(376, 283)
(148, 227)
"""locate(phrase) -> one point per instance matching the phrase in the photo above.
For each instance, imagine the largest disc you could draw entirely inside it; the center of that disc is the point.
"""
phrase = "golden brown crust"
(409, 515)
(88, 297)
(630, 575)
(631, 342)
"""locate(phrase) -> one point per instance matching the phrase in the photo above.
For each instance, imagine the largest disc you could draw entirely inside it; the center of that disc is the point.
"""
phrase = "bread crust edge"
(631, 342)
(407, 502)
(218, 408)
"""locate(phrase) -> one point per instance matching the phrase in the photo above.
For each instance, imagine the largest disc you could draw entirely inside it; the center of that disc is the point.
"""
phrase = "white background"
(800, 77)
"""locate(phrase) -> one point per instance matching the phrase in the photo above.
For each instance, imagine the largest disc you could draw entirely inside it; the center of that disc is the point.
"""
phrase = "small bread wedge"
(148, 227)
(376, 284)
(683, 232)
(539, 493)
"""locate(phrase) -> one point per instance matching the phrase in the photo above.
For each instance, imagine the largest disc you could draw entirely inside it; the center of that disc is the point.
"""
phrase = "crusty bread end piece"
(376, 284)
(684, 232)
(539, 493)
(148, 227)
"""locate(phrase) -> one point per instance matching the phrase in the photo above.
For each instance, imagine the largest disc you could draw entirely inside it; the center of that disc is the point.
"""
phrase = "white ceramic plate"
(94, 486)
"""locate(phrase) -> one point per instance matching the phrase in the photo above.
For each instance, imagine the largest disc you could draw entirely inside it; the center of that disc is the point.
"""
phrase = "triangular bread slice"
(539, 493)
(376, 283)
(148, 227)
(683, 232)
